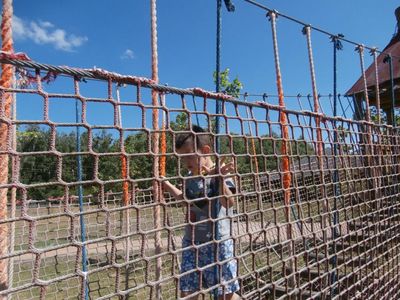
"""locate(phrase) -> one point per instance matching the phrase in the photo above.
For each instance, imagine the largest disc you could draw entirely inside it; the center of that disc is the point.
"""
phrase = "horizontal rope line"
(316, 28)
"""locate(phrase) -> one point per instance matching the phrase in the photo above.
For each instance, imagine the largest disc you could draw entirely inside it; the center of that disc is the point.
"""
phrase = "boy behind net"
(201, 191)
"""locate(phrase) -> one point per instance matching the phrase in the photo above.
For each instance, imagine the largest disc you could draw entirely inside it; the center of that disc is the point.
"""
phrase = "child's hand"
(224, 168)
(172, 189)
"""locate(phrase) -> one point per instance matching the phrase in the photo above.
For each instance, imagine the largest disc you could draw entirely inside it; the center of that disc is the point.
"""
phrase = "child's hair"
(202, 138)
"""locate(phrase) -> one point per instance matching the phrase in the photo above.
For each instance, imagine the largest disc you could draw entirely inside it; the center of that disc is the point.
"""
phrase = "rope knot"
(306, 29)
(360, 48)
(265, 97)
(25, 78)
(336, 41)
(14, 56)
(373, 50)
(272, 14)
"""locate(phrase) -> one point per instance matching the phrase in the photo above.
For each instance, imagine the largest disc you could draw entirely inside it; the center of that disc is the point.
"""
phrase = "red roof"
(392, 48)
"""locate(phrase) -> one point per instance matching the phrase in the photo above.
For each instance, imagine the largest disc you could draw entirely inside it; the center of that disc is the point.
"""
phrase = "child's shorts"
(191, 281)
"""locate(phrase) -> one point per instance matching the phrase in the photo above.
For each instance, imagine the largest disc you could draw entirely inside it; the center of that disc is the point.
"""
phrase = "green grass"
(105, 278)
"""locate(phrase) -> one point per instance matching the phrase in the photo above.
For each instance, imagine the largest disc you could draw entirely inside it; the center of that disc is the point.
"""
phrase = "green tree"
(140, 165)
(229, 87)
(180, 123)
(384, 118)
(36, 167)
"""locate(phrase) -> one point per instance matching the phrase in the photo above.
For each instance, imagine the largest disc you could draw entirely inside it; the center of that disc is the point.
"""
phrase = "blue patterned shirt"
(198, 189)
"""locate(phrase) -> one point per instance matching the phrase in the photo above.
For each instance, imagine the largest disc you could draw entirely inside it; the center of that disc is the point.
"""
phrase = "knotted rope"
(286, 177)
(156, 171)
(5, 135)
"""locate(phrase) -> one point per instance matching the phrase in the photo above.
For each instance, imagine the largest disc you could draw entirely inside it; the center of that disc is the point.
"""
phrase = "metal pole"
(218, 109)
(336, 46)
(390, 61)
(217, 143)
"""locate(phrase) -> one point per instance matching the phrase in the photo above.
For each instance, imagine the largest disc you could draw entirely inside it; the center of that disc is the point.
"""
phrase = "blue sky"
(115, 35)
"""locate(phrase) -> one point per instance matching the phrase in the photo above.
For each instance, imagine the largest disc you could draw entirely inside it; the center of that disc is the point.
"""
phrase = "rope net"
(315, 203)
(122, 262)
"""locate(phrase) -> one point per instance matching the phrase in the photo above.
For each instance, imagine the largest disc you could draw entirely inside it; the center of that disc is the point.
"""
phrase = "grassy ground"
(104, 226)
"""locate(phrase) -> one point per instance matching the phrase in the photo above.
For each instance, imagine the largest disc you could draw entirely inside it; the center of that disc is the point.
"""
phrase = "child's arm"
(173, 190)
(225, 168)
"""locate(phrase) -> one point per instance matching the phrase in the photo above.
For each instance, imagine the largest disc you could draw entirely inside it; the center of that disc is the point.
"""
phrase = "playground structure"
(316, 212)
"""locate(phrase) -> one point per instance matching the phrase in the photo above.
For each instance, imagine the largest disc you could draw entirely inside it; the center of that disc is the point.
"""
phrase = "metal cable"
(340, 37)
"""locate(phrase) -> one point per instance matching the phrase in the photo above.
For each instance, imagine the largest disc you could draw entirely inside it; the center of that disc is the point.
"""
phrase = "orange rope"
(156, 189)
(5, 112)
(283, 121)
(154, 75)
(163, 142)
(286, 178)
(126, 202)
(125, 185)
(124, 161)
(163, 158)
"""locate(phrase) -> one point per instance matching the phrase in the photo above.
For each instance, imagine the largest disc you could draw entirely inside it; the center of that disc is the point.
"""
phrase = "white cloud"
(44, 32)
(46, 24)
(128, 54)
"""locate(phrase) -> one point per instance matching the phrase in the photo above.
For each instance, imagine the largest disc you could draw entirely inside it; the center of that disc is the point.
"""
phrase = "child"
(195, 149)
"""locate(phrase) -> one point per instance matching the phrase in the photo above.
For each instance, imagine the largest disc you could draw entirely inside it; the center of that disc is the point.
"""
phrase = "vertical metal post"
(390, 61)
(336, 46)
(217, 142)
(218, 109)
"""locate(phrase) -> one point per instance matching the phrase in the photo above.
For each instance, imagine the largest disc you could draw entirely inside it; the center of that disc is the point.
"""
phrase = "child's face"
(193, 161)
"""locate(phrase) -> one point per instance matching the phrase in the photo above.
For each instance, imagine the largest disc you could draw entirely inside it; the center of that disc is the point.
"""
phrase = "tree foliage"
(231, 88)
(384, 117)
(252, 154)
